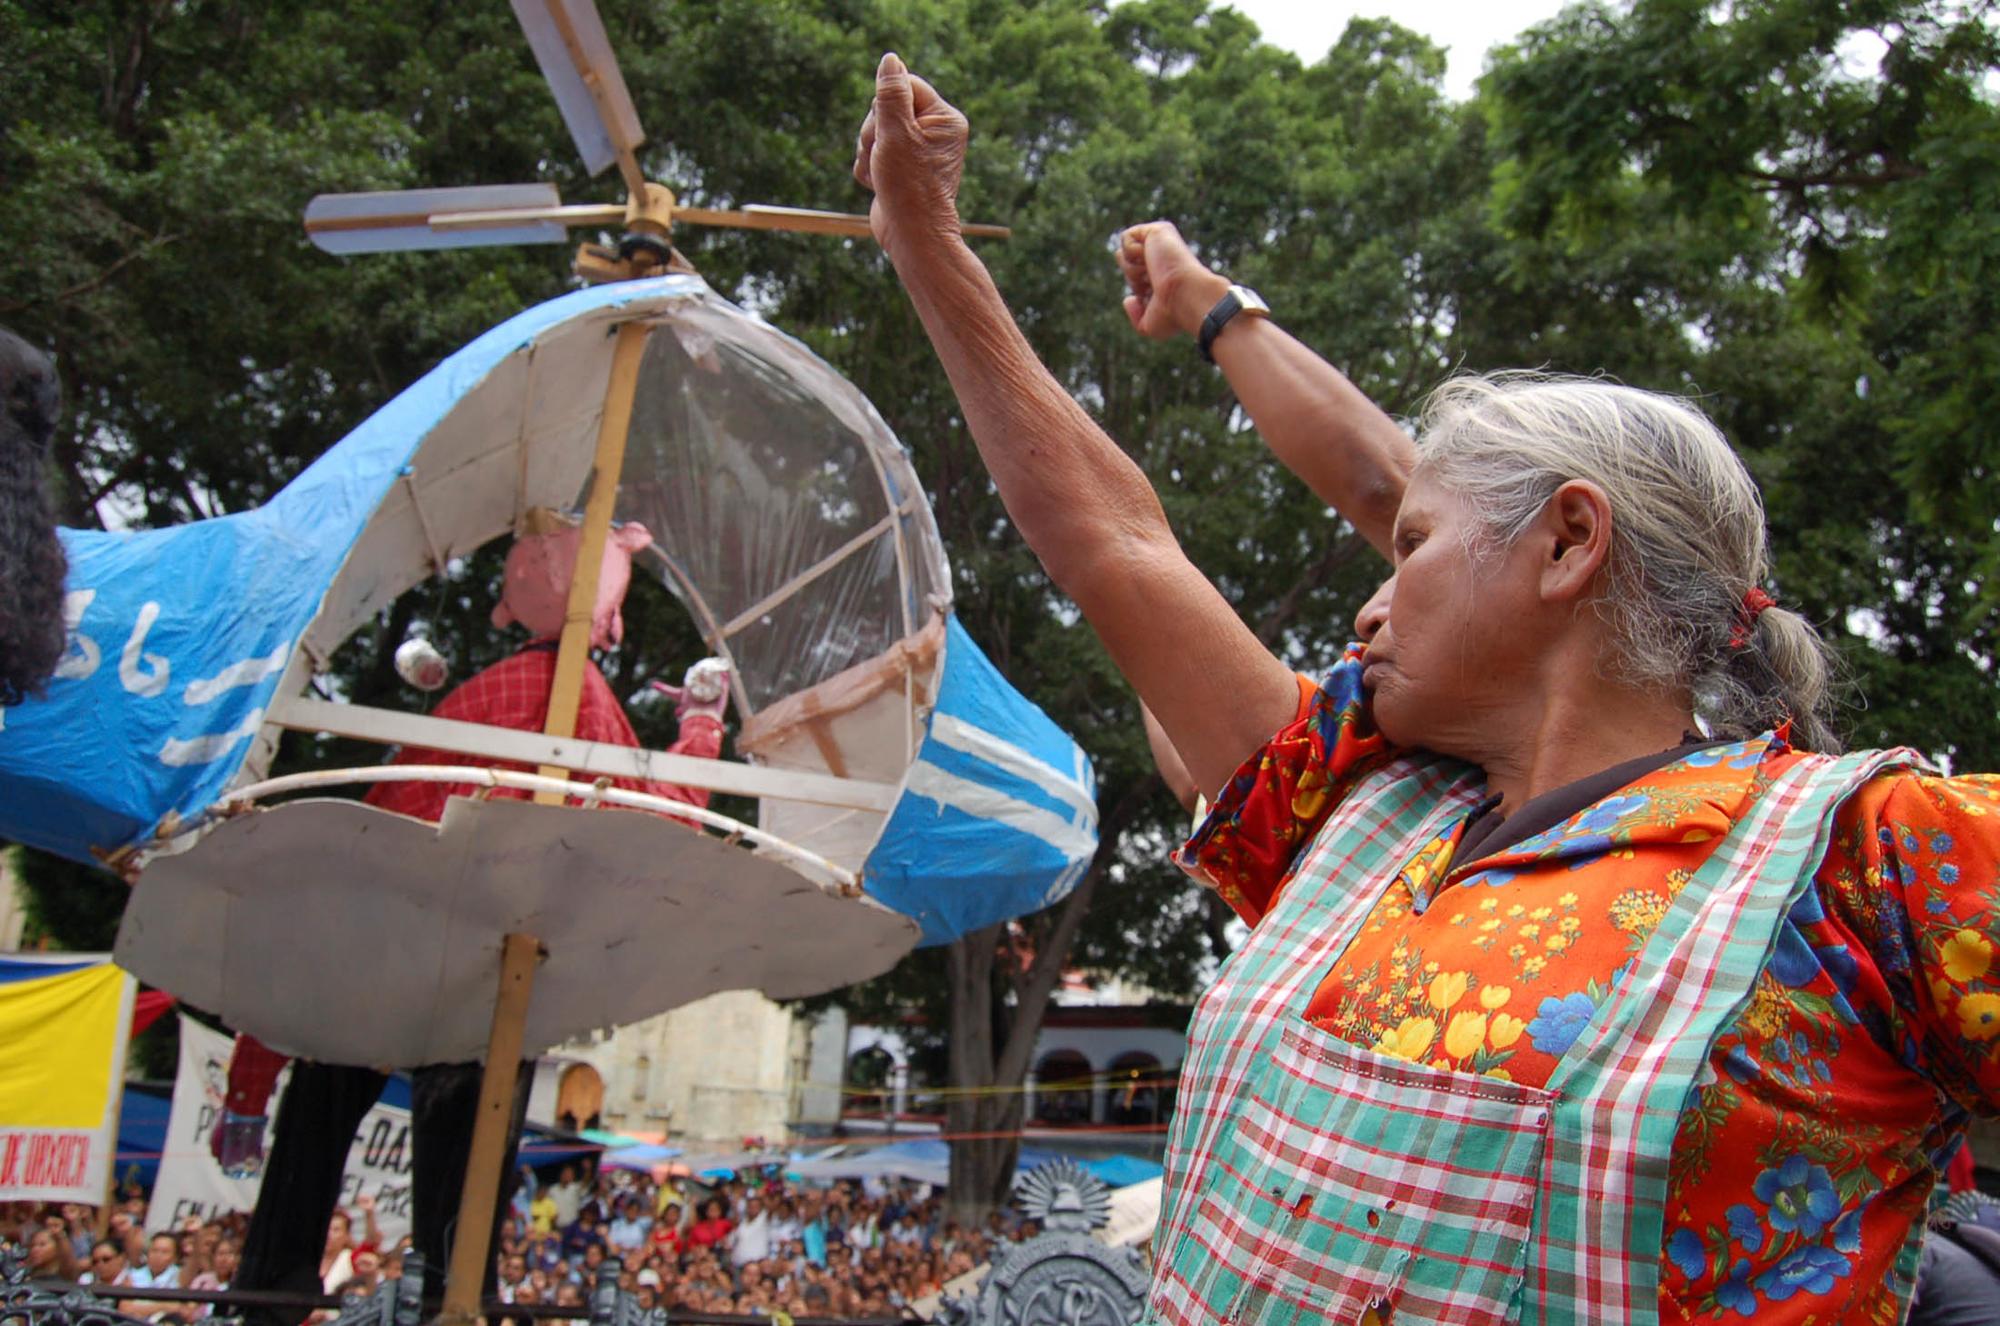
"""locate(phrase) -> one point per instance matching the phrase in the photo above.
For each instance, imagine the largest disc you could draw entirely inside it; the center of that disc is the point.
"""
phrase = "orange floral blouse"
(1812, 1142)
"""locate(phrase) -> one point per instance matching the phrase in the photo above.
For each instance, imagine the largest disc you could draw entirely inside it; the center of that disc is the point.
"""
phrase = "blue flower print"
(1735, 1292)
(1807, 910)
(1800, 1195)
(1947, 873)
(1685, 1251)
(1811, 1269)
(1604, 816)
(1847, 1230)
(1746, 1227)
(1737, 755)
(1793, 962)
(1559, 1022)
(1739, 1064)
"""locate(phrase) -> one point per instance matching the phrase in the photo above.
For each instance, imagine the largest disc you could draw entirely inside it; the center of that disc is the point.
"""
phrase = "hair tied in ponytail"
(1755, 600)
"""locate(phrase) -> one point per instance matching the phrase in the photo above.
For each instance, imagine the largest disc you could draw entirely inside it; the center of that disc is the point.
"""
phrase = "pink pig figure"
(536, 587)
(514, 692)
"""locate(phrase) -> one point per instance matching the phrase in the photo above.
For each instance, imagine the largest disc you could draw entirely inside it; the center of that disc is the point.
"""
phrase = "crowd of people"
(754, 1243)
(62, 1242)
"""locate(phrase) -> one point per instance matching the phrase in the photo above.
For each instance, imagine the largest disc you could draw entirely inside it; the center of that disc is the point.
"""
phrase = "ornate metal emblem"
(1063, 1276)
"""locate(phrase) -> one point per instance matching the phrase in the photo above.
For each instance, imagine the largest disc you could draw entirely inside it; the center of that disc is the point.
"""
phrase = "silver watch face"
(1251, 301)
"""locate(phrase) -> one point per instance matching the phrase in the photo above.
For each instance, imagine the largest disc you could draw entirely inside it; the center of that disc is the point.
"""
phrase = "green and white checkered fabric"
(1310, 1179)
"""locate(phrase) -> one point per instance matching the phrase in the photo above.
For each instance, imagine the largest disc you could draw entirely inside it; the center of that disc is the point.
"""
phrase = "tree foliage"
(1785, 206)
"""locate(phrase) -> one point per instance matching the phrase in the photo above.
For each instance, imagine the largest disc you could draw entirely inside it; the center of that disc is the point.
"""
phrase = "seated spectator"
(629, 1228)
(583, 1235)
(713, 1227)
(568, 1194)
(543, 1213)
(161, 1269)
(50, 1256)
(750, 1241)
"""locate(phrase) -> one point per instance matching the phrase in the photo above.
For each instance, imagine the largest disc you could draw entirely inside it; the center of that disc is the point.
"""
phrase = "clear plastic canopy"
(783, 510)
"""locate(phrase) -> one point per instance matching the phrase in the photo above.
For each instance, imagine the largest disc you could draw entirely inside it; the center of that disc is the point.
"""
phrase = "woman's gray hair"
(1687, 544)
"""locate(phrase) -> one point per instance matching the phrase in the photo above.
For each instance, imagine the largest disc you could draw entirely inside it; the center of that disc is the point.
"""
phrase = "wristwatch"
(1237, 299)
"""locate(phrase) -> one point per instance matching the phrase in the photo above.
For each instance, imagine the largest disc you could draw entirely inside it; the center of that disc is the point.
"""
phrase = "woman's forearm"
(1092, 517)
(1069, 489)
(1319, 425)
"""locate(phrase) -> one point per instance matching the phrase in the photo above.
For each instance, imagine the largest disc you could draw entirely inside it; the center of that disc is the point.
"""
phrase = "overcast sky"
(1466, 28)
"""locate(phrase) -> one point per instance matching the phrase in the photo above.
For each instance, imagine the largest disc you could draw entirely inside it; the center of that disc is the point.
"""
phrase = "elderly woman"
(1585, 980)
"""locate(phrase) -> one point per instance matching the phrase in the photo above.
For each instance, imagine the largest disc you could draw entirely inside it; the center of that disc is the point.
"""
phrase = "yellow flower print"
(1457, 918)
(1310, 795)
(1570, 925)
(1516, 910)
(1966, 956)
(1556, 943)
(1638, 911)
(1541, 913)
(1941, 990)
(1491, 924)
(1465, 1034)
(1531, 932)
(1769, 1012)
(1533, 966)
(1979, 1016)
(1447, 990)
(1489, 904)
(1567, 900)
(1515, 951)
(1430, 969)
(1493, 996)
(1506, 1029)
(1409, 1040)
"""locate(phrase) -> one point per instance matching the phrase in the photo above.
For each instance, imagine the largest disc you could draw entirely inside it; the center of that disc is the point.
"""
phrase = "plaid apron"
(1309, 1179)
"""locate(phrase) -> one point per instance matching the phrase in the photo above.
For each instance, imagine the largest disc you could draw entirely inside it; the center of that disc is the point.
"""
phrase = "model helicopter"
(575, 55)
(905, 792)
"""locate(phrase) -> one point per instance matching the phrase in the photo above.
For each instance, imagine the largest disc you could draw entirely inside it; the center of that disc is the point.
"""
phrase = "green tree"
(1788, 209)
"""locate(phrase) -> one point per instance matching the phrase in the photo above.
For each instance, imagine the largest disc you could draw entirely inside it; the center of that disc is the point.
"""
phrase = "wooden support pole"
(573, 652)
(479, 1200)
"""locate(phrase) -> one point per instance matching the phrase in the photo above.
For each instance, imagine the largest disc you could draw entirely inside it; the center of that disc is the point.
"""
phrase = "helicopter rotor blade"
(762, 216)
(408, 219)
(576, 58)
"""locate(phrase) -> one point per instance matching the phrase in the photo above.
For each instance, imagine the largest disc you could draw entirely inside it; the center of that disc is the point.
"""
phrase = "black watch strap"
(1231, 304)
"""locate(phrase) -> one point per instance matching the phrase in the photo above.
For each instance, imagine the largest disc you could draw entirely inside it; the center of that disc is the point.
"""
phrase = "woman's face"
(336, 1230)
(41, 1248)
(1451, 633)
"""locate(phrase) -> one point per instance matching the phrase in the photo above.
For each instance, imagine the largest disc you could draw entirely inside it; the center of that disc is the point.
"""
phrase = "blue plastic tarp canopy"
(643, 1157)
(928, 1160)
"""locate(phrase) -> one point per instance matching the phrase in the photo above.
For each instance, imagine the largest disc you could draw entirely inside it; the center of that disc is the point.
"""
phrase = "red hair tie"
(1755, 600)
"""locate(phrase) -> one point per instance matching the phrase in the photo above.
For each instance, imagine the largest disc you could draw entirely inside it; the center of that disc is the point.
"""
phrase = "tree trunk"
(985, 1112)
(985, 1140)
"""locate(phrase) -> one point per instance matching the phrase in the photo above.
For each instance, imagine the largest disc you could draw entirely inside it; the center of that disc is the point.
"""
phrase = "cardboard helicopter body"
(905, 792)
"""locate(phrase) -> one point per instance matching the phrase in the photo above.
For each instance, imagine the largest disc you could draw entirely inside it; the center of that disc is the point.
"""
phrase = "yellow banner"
(62, 1050)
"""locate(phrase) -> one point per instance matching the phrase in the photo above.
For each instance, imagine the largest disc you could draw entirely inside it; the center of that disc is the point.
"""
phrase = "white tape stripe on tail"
(981, 744)
(927, 780)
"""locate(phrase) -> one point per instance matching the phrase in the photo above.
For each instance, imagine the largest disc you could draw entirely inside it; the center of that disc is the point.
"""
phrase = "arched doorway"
(1133, 1089)
(1062, 1088)
(579, 1098)
(870, 1081)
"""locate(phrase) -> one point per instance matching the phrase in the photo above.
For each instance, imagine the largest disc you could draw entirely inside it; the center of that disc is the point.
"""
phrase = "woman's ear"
(1576, 529)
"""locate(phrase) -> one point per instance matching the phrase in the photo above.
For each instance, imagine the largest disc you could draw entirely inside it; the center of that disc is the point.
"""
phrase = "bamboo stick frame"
(573, 650)
(479, 1200)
